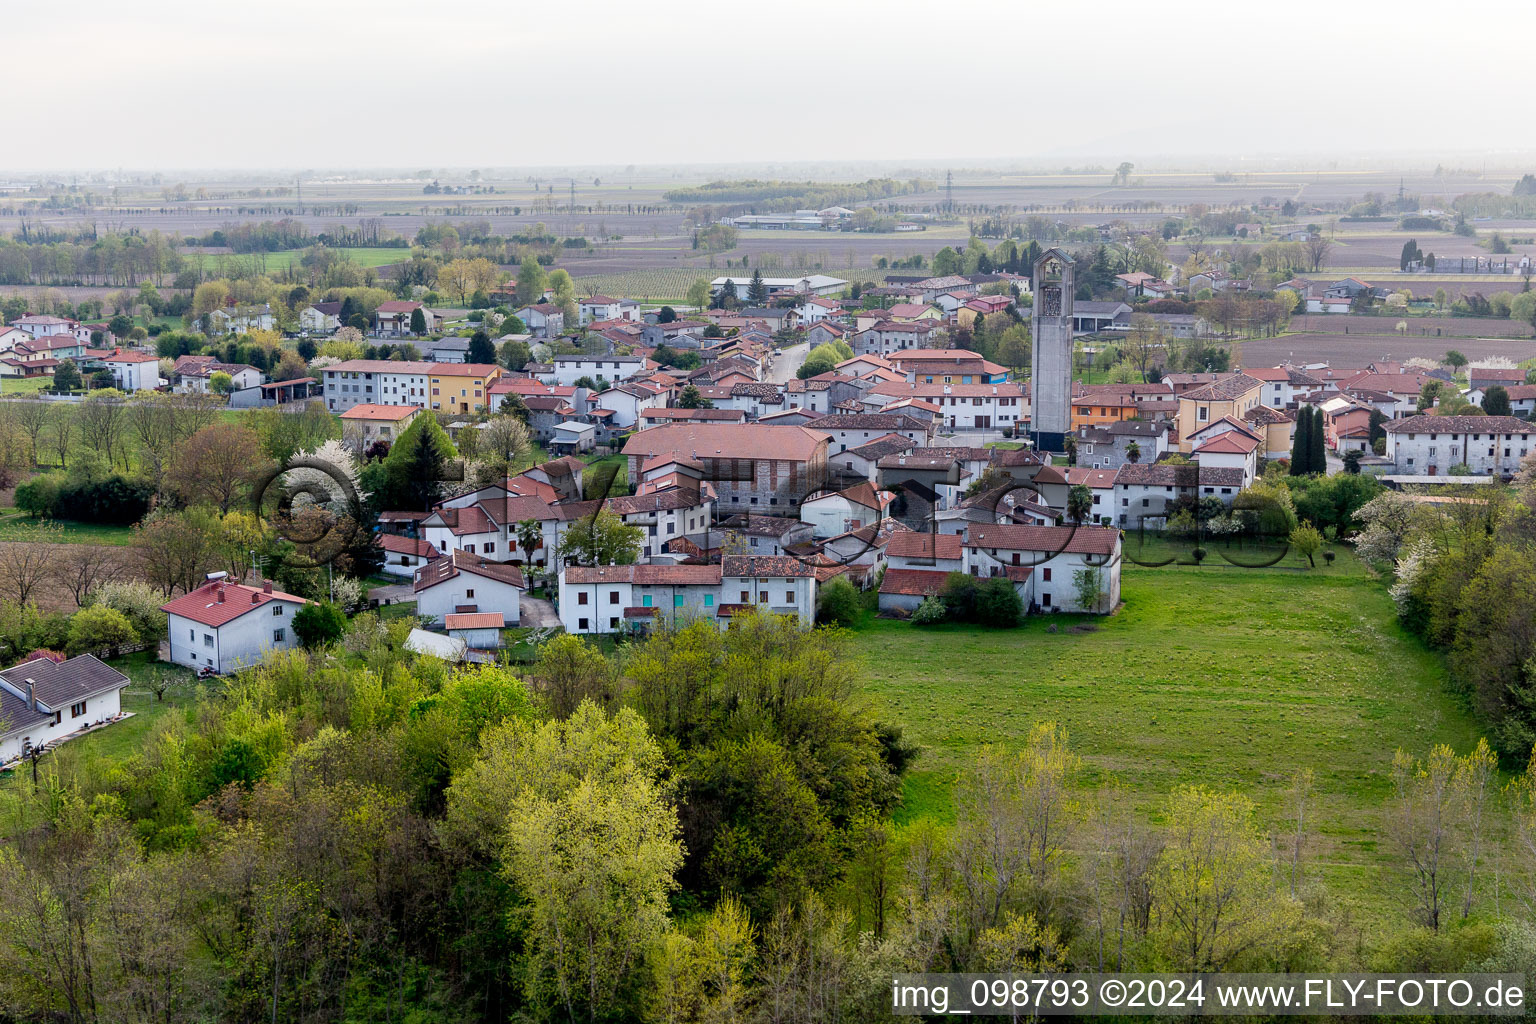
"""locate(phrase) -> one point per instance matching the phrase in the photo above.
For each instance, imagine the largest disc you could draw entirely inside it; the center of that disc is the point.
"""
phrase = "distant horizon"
(1085, 164)
(175, 83)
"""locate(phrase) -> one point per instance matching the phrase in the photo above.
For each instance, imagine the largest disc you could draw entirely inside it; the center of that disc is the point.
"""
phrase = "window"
(490, 547)
(207, 639)
(709, 600)
(192, 635)
(613, 597)
(279, 636)
(581, 625)
(470, 592)
(76, 710)
(677, 600)
(645, 602)
(763, 598)
(1045, 600)
(789, 597)
(613, 623)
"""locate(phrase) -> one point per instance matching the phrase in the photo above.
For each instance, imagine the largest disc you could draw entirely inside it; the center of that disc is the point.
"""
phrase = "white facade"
(569, 369)
(1487, 445)
(134, 375)
(467, 588)
(781, 595)
(831, 515)
(239, 643)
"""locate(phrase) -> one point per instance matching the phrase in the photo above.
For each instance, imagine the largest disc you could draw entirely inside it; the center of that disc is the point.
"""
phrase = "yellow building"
(462, 387)
(1230, 396)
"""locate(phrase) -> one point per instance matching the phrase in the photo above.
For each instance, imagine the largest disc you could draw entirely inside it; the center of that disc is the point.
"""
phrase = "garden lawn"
(1208, 675)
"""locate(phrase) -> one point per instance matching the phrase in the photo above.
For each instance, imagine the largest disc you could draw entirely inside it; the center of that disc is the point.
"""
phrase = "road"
(786, 363)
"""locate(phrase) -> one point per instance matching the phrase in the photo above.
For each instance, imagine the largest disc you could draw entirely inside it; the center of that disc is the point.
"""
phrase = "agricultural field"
(1356, 349)
(274, 262)
(1235, 679)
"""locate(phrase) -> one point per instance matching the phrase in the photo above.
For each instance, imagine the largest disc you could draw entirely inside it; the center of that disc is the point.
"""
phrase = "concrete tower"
(1050, 405)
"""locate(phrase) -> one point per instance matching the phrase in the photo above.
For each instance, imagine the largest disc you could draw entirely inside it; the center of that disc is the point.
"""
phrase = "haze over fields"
(612, 83)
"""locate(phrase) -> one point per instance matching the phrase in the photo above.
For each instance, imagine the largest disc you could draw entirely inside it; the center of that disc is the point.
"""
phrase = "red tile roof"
(727, 441)
(923, 544)
(219, 601)
(475, 620)
(369, 411)
(913, 582)
(1085, 540)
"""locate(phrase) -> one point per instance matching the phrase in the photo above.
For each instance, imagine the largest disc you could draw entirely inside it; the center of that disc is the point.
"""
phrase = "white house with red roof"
(41, 326)
(228, 626)
(370, 422)
(404, 555)
(394, 318)
(1043, 561)
(133, 371)
(1230, 449)
(832, 513)
(461, 583)
(605, 307)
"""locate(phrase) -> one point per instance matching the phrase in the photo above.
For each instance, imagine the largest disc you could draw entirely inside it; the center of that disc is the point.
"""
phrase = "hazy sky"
(482, 83)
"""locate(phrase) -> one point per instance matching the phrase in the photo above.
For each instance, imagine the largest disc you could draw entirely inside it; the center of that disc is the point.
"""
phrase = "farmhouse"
(1434, 445)
(228, 626)
(1043, 562)
(404, 555)
(813, 284)
(782, 585)
(394, 318)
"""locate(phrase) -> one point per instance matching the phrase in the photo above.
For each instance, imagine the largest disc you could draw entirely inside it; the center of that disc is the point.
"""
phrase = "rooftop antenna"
(949, 191)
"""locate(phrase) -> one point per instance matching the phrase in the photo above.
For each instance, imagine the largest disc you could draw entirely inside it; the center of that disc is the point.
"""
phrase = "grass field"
(18, 526)
(1213, 675)
(274, 261)
(24, 385)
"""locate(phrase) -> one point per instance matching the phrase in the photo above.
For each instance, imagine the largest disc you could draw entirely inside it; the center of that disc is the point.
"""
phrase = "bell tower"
(1050, 405)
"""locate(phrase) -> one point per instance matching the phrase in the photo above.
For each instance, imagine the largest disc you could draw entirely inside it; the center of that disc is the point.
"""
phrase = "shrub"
(113, 499)
(998, 604)
(97, 628)
(959, 597)
(318, 624)
(839, 603)
(39, 497)
(931, 611)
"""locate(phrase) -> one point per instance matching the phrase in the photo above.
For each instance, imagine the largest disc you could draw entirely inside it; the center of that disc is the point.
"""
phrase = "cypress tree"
(1318, 460)
(1300, 445)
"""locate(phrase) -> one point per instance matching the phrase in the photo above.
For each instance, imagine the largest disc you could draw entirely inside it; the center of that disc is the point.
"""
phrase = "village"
(738, 483)
(835, 552)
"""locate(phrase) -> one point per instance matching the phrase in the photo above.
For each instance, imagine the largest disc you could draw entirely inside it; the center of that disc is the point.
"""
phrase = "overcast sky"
(487, 83)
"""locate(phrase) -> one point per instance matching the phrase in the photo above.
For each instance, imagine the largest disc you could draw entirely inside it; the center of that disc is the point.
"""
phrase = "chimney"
(218, 595)
(266, 587)
(255, 598)
(32, 694)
